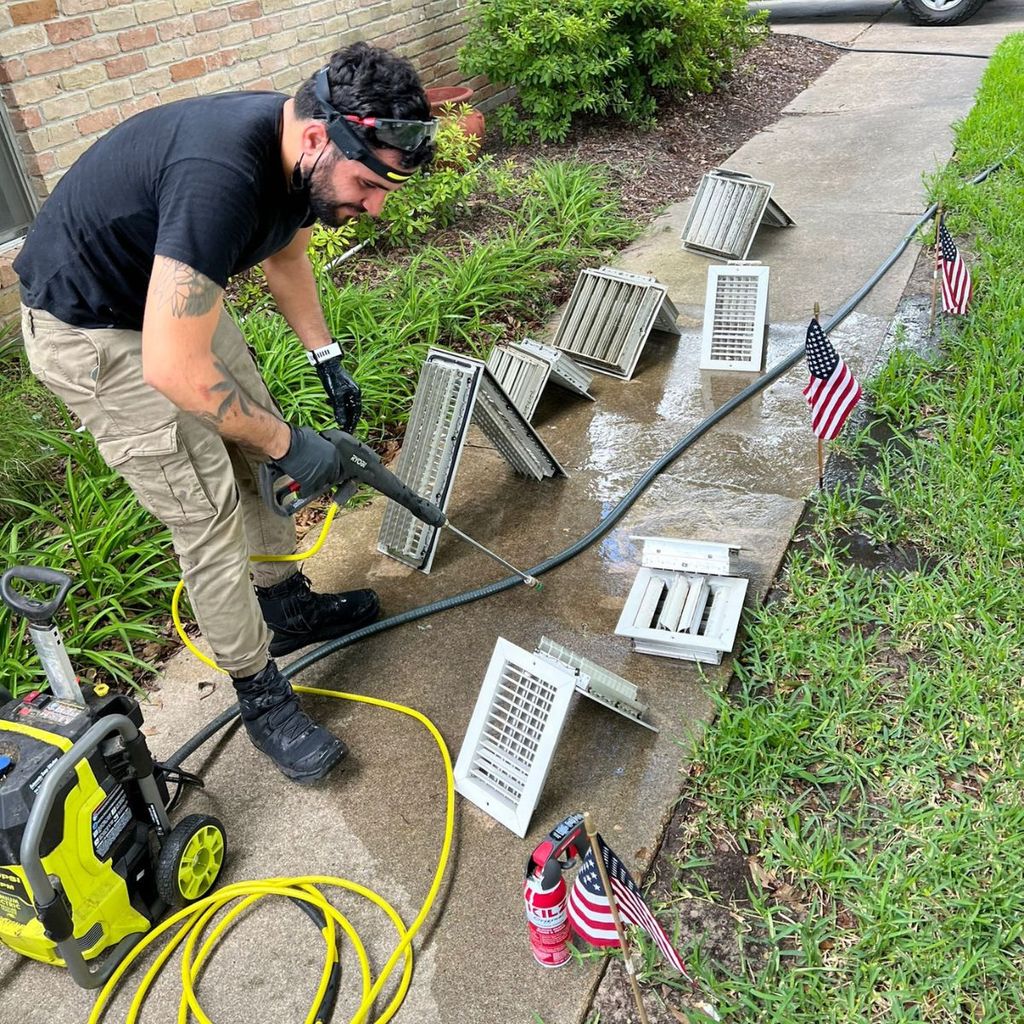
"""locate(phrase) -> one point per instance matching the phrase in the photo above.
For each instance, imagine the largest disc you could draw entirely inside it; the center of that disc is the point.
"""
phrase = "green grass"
(873, 757)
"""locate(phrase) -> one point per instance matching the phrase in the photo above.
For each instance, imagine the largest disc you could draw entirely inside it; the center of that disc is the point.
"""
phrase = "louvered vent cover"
(522, 376)
(430, 454)
(565, 372)
(610, 315)
(735, 317)
(524, 368)
(676, 610)
(512, 734)
(598, 683)
(453, 391)
(726, 213)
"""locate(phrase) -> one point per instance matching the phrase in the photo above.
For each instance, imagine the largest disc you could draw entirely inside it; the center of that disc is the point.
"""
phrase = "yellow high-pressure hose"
(236, 899)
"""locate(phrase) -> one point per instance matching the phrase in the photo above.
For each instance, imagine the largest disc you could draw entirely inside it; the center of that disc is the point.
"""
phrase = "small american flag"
(956, 278)
(832, 391)
(591, 916)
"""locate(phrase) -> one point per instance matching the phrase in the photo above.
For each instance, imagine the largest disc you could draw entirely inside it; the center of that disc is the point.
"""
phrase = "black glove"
(342, 391)
(311, 461)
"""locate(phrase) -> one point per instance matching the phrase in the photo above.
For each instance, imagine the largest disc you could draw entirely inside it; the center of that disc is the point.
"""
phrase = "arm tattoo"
(233, 398)
(230, 393)
(186, 291)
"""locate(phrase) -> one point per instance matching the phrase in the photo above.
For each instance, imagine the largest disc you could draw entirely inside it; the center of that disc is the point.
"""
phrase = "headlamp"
(407, 136)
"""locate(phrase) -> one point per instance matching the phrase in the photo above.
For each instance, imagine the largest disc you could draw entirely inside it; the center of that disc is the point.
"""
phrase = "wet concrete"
(852, 191)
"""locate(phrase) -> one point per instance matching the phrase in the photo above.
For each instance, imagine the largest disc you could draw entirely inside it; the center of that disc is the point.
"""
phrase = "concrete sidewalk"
(847, 158)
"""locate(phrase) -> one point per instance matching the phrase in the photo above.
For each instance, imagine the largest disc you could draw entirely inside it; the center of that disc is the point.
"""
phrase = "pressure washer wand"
(530, 581)
(361, 464)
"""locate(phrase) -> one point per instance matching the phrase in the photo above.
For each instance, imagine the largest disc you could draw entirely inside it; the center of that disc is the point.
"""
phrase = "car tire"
(935, 12)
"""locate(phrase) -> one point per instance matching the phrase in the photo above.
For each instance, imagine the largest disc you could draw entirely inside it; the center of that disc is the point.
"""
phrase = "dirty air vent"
(609, 317)
(452, 392)
(735, 317)
(682, 603)
(512, 734)
(726, 213)
(524, 368)
(598, 683)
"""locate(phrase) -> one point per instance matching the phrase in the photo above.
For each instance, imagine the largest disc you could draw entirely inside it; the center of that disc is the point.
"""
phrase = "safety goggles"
(407, 136)
(355, 147)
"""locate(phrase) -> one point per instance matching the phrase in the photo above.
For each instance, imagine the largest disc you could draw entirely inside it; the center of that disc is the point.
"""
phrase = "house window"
(16, 206)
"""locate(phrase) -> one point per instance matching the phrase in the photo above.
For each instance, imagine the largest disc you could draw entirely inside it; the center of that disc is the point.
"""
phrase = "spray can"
(545, 895)
(547, 918)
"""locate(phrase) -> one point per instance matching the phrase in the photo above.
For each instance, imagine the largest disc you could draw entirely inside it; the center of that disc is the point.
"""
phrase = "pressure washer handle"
(39, 613)
(360, 462)
(279, 491)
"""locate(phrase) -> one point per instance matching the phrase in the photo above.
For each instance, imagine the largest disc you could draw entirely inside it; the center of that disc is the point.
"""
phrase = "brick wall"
(71, 69)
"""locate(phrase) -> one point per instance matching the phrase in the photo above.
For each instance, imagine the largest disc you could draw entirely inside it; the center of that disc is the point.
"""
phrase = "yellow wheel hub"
(201, 862)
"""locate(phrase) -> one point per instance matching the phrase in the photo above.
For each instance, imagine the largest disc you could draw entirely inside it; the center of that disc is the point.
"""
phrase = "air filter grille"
(680, 613)
(609, 317)
(735, 314)
(512, 734)
(522, 376)
(565, 372)
(599, 684)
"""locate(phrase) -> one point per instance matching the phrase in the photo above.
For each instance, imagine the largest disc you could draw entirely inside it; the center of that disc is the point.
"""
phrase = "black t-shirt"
(199, 181)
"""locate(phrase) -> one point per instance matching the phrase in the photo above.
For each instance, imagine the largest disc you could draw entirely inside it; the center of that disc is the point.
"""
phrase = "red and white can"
(547, 917)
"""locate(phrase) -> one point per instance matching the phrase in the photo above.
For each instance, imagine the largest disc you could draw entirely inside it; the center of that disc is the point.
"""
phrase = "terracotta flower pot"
(472, 124)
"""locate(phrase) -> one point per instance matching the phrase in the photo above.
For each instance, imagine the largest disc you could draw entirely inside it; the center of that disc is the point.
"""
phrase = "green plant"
(83, 520)
(593, 57)
(434, 198)
(870, 763)
(464, 300)
(25, 406)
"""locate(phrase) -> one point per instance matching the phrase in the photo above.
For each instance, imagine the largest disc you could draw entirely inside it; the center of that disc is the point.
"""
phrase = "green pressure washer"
(89, 860)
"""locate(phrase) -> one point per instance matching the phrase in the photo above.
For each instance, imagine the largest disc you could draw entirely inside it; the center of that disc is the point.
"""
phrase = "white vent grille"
(598, 683)
(678, 611)
(727, 210)
(512, 734)
(522, 376)
(453, 391)
(609, 317)
(524, 368)
(430, 454)
(565, 372)
(735, 317)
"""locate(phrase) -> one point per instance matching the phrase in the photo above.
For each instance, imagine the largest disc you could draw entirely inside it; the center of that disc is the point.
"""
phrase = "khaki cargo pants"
(202, 488)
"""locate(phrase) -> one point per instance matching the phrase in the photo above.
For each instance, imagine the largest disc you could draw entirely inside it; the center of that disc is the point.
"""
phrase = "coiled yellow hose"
(193, 920)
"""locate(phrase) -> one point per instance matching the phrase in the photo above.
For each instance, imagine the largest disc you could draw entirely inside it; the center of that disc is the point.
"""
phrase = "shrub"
(567, 57)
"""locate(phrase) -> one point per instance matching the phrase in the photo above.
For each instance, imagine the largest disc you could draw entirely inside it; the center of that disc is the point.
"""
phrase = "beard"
(324, 203)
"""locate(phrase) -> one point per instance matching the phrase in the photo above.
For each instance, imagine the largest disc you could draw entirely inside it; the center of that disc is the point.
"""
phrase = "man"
(122, 284)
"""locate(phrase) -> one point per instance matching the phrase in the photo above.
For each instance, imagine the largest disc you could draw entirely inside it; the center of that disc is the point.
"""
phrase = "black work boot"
(301, 749)
(298, 617)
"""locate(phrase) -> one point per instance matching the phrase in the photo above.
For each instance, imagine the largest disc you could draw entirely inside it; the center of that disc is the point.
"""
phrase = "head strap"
(354, 147)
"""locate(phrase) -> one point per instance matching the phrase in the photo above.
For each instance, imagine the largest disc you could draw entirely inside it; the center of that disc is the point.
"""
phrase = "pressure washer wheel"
(190, 859)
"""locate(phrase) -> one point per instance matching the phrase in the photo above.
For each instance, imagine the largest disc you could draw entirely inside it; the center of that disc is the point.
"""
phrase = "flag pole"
(935, 269)
(821, 449)
(614, 907)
